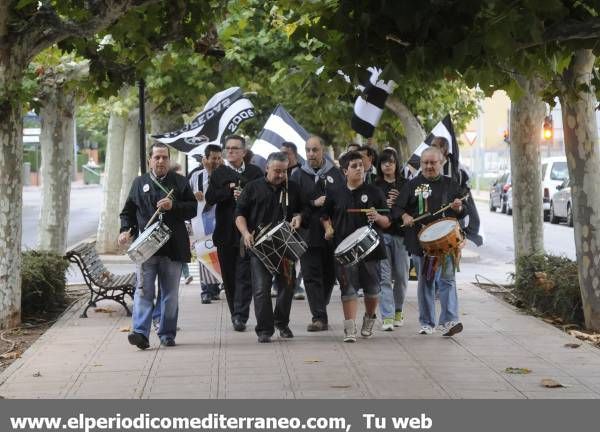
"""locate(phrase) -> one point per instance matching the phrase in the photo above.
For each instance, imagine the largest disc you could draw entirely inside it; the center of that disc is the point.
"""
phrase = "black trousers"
(235, 271)
(268, 319)
(318, 271)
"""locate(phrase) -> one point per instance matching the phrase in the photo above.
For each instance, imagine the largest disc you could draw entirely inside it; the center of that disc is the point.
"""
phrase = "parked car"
(509, 202)
(498, 192)
(554, 172)
(561, 206)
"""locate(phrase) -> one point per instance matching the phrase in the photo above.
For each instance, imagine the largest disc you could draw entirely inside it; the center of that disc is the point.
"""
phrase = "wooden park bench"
(103, 285)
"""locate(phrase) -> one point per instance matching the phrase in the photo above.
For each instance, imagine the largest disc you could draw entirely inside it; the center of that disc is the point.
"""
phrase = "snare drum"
(357, 246)
(149, 242)
(278, 243)
(441, 237)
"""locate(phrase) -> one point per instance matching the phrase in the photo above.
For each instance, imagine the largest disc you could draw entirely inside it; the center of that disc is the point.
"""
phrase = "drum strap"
(161, 187)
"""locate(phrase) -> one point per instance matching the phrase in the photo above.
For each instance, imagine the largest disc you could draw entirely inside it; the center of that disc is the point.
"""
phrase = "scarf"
(321, 173)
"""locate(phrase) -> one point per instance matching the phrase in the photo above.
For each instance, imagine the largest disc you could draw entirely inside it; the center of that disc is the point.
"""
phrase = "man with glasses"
(225, 186)
(315, 178)
(426, 193)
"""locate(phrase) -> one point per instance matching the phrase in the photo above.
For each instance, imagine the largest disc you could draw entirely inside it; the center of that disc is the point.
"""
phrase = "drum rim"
(358, 239)
(270, 233)
(448, 218)
(357, 259)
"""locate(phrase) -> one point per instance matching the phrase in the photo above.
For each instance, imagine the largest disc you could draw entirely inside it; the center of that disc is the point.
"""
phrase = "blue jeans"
(394, 276)
(168, 273)
(447, 293)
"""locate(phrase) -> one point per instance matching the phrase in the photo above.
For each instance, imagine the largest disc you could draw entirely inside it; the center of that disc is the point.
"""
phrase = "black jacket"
(386, 187)
(313, 230)
(442, 192)
(219, 193)
(141, 205)
(262, 203)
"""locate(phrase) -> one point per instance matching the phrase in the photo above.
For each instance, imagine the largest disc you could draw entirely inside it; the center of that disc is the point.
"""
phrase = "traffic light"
(548, 129)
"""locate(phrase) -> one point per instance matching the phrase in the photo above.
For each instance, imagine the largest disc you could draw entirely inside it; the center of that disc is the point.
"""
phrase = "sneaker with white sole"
(349, 331)
(388, 324)
(189, 279)
(451, 328)
(366, 330)
(426, 330)
(398, 319)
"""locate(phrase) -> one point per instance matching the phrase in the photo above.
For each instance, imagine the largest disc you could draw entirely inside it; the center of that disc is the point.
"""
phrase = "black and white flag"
(221, 116)
(452, 168)
(279, 127)
(443, 129)
(369, 105)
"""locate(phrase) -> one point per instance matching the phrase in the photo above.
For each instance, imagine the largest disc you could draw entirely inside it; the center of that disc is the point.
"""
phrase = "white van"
(554, 172)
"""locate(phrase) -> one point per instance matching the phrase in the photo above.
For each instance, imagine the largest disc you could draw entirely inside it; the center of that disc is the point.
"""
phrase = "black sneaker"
(238, 325)
(264, 338)
(205, 298)
(169, 342)
(451, 328)
(285, 333)
(139, 340)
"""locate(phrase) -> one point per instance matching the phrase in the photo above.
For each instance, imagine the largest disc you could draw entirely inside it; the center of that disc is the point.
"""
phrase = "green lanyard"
(153, 178)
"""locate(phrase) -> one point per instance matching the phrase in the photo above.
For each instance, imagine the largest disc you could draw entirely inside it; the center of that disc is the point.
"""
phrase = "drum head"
(437, 230)
(352, 239)
(270, 233)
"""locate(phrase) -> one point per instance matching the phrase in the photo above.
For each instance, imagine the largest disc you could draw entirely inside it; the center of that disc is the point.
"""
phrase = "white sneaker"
(349, 331)
(366, 330)
(426, 330)
(388, 324)
(451, 328)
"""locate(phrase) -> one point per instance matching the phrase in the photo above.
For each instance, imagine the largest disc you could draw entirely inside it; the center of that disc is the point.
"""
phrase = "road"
(497, 255)
(83, 215)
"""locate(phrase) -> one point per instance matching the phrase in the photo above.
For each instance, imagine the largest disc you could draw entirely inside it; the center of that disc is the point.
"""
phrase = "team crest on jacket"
(330, 179)
(146, 187)
(364, 198)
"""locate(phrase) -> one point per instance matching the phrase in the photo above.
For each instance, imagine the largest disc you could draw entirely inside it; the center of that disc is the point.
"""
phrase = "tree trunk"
(131, 154)
(526, 117)
(109, 224)
(583, 159)
(415, 134)
(11, 192)
(56, 142)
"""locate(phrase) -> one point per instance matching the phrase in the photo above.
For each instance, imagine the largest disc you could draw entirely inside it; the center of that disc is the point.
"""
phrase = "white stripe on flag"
(288, 133)
(263, 148)
(366, 111)
(420, 149)
(440, 130)
(186, 134)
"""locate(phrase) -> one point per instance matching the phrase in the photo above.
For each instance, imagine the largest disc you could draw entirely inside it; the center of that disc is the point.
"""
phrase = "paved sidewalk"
(90, 358)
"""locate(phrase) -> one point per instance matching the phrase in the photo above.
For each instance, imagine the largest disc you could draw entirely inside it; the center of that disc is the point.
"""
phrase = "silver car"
(561, 206)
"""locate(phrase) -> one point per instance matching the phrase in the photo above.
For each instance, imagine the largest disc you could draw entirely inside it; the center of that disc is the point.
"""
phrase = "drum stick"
(449, 205)
(423, 216)
(157, 211)
(361, 210)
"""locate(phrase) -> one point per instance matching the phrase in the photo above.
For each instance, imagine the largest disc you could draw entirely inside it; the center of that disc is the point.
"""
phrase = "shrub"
(549, 284)
(43, 282)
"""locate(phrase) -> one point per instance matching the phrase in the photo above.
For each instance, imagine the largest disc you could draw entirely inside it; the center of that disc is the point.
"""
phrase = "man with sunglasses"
(225, 186)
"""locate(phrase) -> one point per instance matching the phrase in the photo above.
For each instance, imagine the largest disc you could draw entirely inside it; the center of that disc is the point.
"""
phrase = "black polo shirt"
(262, 203)
(440, 192)
(337, 203)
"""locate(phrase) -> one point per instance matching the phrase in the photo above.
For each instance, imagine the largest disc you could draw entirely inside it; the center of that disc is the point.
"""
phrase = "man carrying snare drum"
(263, 204)
(148, 193)
(423, 197)
(350, 207)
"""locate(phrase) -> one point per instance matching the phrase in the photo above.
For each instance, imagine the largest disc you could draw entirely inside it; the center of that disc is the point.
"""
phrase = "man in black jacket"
(315, 177)
(423, 195)
(225, 186)
(148, 193)
(265, 203)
